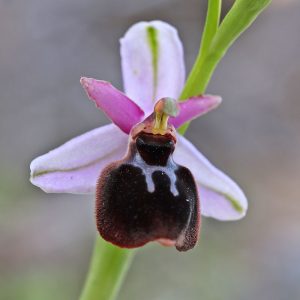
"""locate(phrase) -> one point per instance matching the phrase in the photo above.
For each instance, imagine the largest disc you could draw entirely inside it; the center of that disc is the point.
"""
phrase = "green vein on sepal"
(93, 162)
(152, 35)
(235, 204)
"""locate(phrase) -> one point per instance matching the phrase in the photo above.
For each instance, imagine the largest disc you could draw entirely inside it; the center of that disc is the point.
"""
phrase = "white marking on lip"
(148, 170)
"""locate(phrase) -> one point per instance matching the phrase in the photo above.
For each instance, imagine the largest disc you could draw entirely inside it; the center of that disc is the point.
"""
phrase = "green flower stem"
(108, 269)
(211, 25)
(210, 28)
(217, 42)
(110, 264)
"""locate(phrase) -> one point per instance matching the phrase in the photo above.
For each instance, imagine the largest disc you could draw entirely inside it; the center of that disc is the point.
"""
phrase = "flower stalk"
(108, 269)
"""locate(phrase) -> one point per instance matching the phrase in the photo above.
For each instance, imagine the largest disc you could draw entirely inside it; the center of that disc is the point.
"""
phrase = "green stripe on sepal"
(235, 204)
(152, 35)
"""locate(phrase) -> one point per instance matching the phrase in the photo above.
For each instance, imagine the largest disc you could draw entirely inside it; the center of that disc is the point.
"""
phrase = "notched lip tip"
(162, 241)
(166, 242)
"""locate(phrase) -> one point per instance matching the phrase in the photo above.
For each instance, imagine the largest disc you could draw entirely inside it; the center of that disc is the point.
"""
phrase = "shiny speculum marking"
(154, 155)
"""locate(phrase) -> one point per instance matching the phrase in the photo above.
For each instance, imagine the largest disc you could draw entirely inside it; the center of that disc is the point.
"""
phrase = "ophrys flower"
(153, 68)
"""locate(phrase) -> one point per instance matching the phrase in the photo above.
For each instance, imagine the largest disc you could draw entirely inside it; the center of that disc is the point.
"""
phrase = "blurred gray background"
(46, 240)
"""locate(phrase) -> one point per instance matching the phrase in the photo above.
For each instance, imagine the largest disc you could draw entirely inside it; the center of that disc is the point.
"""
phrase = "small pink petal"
(118, 107)
(75, 166)
(221, 198)
(152, 63)
(195, 107)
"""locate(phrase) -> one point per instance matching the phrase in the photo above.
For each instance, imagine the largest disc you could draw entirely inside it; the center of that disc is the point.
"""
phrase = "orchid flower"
(153, 69)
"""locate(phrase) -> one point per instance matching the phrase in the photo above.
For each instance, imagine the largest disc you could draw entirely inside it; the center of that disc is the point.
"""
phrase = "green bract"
(216, 40)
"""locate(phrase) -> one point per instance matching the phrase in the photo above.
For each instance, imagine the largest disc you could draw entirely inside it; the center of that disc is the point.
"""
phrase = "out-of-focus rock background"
(46, 240)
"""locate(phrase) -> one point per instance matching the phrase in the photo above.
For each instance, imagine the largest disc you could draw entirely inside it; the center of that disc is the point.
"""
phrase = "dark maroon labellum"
(147, 197)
